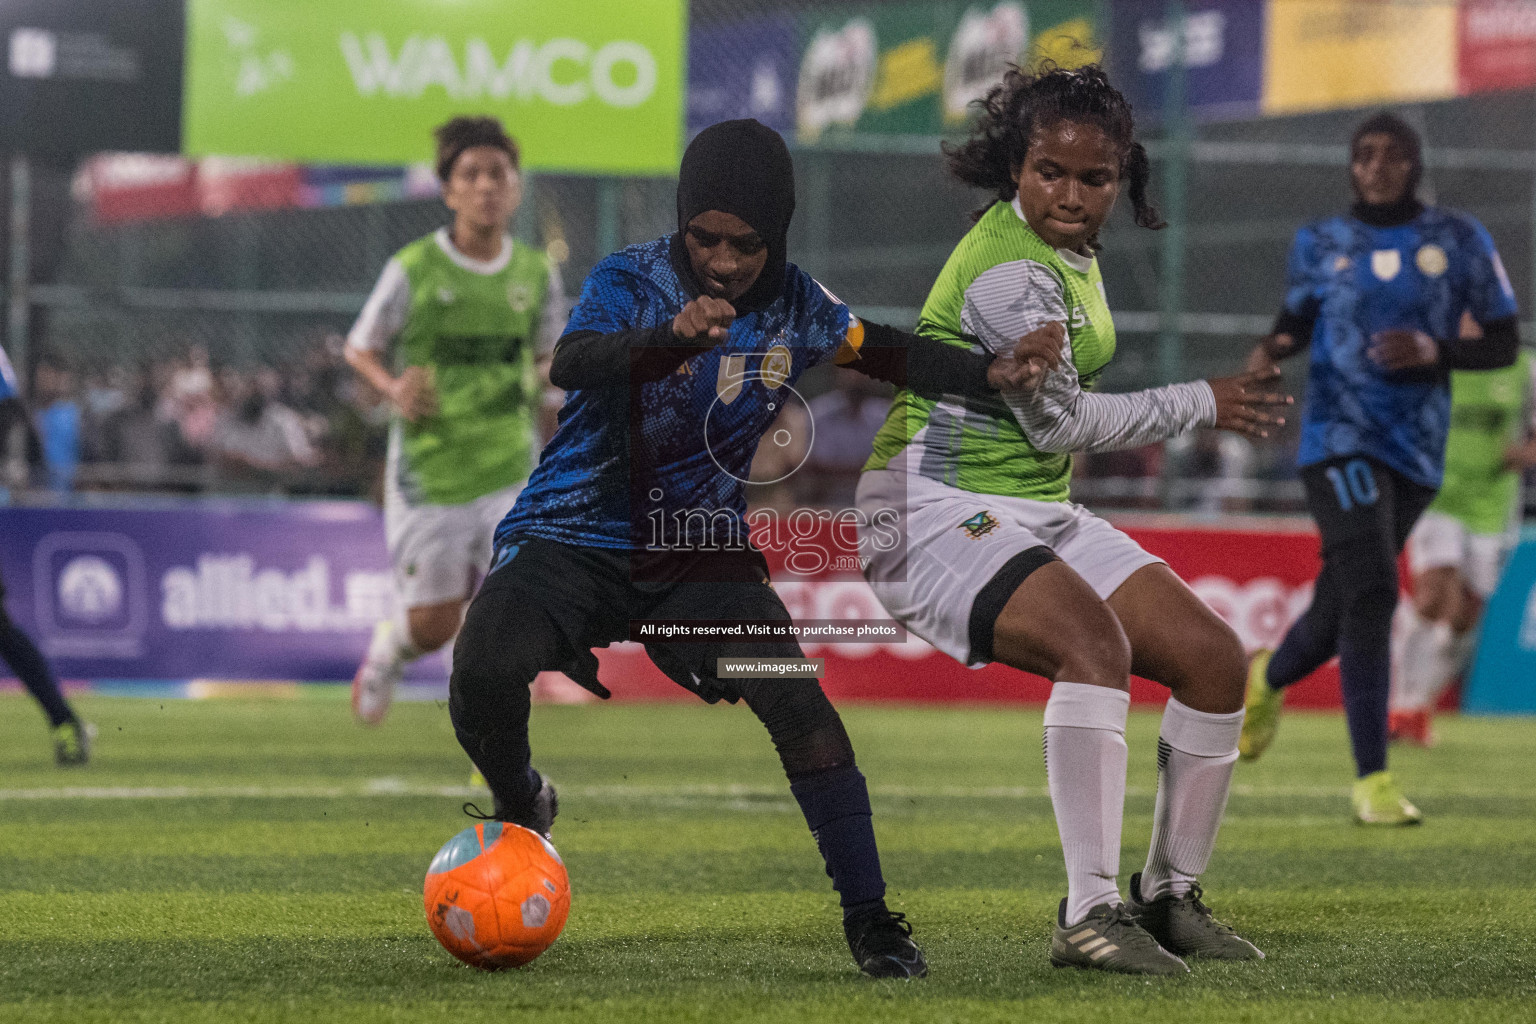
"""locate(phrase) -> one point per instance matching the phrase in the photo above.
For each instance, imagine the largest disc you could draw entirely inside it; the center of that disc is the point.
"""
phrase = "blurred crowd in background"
(189, 425)
(313, 428)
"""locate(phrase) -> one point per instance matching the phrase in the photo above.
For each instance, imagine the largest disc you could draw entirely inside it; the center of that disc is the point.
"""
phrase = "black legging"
(534, 613)
(1364, 511)
(19, 652)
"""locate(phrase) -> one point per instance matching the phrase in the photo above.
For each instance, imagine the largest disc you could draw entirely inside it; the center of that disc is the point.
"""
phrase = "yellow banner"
(1350, 53)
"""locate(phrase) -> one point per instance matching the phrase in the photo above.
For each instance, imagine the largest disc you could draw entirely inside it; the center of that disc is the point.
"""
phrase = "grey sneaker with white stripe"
(1109, 939)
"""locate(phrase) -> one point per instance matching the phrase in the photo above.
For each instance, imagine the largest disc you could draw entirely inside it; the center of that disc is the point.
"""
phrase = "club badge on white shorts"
(979, 525)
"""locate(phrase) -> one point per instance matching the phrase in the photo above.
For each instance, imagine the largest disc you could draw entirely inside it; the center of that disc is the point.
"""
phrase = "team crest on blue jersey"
(729, 380)
(1432, 260)
(1385, 263)
(693, 454)
(979, 525)
(776, 367)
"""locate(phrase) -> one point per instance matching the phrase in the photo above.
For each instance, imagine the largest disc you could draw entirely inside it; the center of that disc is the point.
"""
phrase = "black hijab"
(1407, 206)
(741, 168)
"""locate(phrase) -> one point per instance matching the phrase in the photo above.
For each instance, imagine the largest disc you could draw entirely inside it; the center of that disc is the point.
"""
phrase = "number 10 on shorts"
(1354, 484)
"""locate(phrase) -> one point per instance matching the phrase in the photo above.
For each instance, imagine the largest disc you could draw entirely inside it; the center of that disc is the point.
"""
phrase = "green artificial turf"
(261, 860)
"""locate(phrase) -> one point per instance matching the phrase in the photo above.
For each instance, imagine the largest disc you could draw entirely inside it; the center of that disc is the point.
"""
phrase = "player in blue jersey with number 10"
(1379, 296)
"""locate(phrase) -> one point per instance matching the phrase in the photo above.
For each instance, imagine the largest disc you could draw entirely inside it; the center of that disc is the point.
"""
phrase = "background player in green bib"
(1457, 550)
(998, 565)
(454, 334)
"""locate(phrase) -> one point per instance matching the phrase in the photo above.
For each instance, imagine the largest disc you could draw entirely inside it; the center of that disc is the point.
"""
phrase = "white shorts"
(436, 550)
(954, 542)
(1440, 541)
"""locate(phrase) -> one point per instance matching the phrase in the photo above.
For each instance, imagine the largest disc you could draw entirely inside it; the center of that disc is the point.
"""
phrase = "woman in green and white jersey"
(1458, 548)
(454, 334)
(998, 565)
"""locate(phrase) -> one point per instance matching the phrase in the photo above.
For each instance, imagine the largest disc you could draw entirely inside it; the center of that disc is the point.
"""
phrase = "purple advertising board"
(207, 591)
(1224, 44)
(744, 68)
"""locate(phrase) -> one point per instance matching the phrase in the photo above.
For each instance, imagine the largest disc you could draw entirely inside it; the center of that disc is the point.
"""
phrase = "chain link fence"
(133, 305)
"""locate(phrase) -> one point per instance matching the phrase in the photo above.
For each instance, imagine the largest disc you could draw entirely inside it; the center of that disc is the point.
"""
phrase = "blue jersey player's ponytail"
(1026, 102)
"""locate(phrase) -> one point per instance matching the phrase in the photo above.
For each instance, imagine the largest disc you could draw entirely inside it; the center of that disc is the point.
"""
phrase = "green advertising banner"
(584, 85)
(914, 68)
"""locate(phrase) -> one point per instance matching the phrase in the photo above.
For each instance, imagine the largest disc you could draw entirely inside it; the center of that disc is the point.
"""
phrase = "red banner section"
(122, 187)
(130, 186)
(1259, 579)
(1497, 45)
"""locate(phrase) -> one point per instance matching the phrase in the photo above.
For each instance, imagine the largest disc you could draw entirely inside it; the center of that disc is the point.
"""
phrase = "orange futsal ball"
(497, 895)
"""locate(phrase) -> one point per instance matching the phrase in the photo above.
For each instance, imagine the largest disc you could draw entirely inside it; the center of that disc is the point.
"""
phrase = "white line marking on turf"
(742, 794)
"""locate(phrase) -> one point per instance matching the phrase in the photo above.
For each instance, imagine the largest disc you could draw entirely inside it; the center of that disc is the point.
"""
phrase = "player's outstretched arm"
(927, 366)
(1057, 415)
(1245, 403)
(591, 358)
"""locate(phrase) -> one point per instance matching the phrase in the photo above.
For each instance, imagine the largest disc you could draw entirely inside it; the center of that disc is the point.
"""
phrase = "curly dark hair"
(1025, 102)
(461, 133)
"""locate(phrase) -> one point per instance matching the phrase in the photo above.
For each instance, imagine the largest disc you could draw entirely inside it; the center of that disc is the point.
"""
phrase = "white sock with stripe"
(1085, 759)
(1196, 752)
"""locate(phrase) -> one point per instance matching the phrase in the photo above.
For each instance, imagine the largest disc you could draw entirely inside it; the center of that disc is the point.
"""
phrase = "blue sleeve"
(1486, 290)
(615, 297)
(824, 319)
(1303, 292)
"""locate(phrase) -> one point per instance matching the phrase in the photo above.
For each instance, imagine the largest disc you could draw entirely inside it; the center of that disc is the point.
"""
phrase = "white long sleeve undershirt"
(1012, 299)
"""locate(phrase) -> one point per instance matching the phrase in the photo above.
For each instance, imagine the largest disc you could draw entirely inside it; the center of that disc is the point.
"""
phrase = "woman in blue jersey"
(1378, 294)
(676, 361)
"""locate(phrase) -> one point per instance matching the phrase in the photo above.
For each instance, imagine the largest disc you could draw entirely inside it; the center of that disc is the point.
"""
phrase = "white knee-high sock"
(1196, 752)
(1085, 758)
(1421, 663)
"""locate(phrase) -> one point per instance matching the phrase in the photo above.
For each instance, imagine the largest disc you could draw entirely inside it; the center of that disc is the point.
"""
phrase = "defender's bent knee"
(1212, 671)
(805, 728)
(504, 644)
